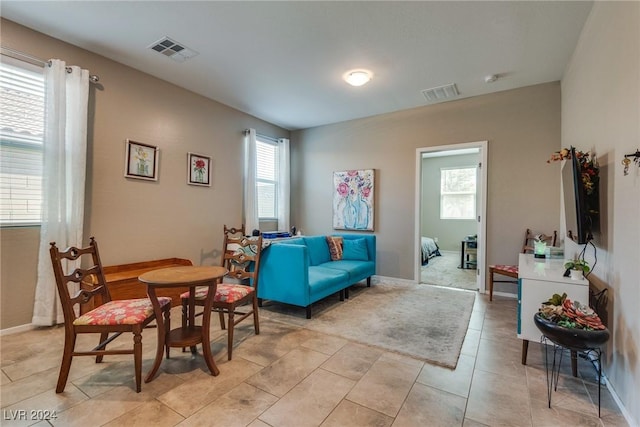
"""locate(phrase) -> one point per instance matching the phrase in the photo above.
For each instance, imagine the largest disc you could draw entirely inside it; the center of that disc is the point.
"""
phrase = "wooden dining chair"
(116, 317)
(237, 295)
(512, 270)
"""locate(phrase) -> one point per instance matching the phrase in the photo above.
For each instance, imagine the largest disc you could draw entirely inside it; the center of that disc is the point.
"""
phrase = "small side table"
(190, 334)
(468, 247)
(575, 340)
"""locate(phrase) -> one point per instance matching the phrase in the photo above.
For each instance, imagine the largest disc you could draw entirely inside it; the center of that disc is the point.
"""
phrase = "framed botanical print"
(353, 200)
(198, 169)
(141, 161)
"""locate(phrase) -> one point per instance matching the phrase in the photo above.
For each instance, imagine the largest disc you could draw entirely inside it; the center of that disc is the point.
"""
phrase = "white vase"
(576, 274)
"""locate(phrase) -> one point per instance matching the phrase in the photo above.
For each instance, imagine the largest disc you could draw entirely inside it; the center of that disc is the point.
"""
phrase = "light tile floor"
(290, 376)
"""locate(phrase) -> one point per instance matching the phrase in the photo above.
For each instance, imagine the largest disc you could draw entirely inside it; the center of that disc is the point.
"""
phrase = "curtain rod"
(267, 137)
(16, 54)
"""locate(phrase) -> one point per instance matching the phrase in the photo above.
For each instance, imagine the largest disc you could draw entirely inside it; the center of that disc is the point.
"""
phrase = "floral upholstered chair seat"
(513, 269)
(120, 312)
(225, 292)
(505, 270)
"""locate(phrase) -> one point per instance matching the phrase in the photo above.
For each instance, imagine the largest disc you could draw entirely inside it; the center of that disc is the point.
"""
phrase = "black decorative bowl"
(572, 338)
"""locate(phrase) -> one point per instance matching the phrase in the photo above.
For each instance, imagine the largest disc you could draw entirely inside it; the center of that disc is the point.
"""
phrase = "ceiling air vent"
(441, 93)
(174, 50)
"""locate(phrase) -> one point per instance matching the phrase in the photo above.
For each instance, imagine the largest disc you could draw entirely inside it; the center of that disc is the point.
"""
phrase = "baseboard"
(391, 280)
(456, 253)
(502, 294)
(16, 329)
(605, 380)
(395, 280)
(616, 398)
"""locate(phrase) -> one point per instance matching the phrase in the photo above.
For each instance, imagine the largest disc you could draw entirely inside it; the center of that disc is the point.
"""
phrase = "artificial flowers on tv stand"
(588, 167)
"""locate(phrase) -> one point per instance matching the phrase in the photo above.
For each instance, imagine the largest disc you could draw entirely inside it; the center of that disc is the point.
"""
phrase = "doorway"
(451, 215)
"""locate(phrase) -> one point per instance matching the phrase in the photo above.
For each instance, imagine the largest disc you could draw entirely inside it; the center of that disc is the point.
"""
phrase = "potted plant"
(577, 268)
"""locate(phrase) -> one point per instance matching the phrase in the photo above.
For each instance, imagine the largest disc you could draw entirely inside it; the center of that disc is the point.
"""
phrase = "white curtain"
(65, 147)
(251, 220)
(283, 184)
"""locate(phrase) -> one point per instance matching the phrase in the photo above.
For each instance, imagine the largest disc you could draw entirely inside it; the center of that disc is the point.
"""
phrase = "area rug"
(425, 322)
(443, 271)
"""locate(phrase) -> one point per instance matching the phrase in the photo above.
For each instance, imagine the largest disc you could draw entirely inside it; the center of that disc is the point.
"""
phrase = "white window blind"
(22, 115)
(458, 193)
(267, 178)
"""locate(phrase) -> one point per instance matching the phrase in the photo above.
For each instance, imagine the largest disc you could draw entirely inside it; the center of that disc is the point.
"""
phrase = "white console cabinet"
(538, 280)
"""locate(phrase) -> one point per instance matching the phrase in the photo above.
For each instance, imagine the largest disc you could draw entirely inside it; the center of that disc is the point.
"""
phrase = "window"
(22, 114)
(458, 193)
(267, 178)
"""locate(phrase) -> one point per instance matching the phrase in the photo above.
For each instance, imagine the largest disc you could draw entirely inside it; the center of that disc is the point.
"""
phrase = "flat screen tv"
(581, 209)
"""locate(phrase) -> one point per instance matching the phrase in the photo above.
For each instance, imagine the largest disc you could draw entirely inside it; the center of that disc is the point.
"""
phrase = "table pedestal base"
(188, 336)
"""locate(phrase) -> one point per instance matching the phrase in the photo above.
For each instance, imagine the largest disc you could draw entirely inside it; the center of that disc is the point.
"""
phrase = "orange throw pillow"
(335, 247)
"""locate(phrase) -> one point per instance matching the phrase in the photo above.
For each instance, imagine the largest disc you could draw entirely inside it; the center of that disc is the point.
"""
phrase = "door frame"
(482, 214)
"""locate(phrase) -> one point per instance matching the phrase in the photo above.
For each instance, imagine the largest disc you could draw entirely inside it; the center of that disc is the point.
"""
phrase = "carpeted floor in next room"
(443, 271)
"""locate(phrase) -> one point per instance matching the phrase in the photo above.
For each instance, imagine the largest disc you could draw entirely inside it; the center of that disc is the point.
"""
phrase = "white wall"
(601, 112)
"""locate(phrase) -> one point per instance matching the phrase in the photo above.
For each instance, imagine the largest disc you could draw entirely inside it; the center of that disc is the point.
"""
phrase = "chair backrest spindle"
(72, 259)
(242, 255)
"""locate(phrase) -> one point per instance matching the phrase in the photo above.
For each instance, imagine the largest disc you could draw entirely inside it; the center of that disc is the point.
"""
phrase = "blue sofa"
(299, 271)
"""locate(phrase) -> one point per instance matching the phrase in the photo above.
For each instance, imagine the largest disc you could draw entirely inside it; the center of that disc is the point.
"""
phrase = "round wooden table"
(189, 335)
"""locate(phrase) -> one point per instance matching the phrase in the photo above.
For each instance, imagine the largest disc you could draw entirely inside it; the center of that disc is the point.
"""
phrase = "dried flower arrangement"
(588, 167)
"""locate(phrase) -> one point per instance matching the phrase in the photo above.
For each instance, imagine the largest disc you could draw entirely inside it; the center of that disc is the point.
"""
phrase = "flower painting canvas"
(141, 161)
(353, 200)
(199, 169)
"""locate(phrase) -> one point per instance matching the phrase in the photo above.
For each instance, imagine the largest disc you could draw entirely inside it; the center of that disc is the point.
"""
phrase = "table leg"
(554, 375)
(525, 350)
(599, 352)
(206, 322)
(574, 363)
(462, 255)
(191, 317)
(162, 333)
(167, 328)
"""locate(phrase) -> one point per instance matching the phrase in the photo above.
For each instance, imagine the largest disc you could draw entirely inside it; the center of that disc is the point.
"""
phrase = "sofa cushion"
(355, 269)
(322, 277)
(355, 249)
(335, 247)
(318, 249)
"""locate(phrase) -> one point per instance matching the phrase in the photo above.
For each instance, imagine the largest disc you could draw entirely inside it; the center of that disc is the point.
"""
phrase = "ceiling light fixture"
(357, 77)
(491, 78)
